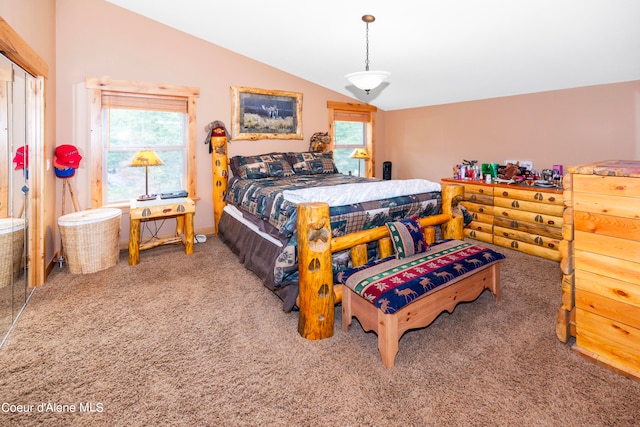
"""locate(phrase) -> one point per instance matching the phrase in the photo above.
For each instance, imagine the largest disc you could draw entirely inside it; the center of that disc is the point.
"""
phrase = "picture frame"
(265, 114)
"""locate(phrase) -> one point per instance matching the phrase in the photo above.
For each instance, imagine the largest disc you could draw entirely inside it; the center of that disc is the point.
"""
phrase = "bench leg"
(495, 281)
(388, 338)
(346, 309)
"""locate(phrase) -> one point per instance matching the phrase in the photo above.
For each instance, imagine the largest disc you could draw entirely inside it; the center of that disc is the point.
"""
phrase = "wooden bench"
(385, 301)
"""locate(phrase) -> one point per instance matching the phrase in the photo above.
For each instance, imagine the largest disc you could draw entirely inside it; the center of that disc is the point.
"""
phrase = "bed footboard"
(317, 296)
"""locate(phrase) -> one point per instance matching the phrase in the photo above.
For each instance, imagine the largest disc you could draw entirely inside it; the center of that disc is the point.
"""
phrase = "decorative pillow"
(262, 166)
(312, 163)
(407, 237)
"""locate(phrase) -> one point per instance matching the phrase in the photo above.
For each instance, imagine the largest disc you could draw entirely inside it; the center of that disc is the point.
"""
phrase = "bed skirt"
(257, 255)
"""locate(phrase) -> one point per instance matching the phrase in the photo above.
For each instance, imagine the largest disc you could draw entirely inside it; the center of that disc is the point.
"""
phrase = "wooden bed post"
(451, 196)
(317, 301)
(219, 165)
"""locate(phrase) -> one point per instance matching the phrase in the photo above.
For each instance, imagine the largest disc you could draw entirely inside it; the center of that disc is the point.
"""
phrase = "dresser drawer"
(614, 342)
(524, 205)
(616, 268)
(552, 221)
(478, 235)
(530, 195)
(536, 250)
(613, 186)
(480, 226)
(478, 208)
(624, 207)
(484, 199)
(478, 189)
(522, 236)
(529, 227)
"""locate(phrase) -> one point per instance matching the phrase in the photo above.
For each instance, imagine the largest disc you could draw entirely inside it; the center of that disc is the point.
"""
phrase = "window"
(351, 127)
(128, 117)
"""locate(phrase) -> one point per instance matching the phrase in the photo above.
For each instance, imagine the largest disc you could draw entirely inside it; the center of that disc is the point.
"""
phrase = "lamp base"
(145, 197)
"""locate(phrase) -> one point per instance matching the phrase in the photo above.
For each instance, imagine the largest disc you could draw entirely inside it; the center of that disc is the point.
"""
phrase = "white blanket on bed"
(346, 194)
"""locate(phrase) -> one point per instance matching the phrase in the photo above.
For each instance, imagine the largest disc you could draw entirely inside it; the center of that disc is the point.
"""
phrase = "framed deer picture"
(265, 114)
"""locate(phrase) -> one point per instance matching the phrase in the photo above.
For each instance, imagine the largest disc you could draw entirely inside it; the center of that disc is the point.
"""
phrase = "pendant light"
(367, 80)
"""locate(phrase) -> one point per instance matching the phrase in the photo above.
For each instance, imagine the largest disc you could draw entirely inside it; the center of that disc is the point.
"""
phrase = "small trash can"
(11, 249)
(90, 239)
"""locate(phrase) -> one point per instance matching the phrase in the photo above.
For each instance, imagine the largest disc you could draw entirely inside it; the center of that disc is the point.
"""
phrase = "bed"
(260, 209)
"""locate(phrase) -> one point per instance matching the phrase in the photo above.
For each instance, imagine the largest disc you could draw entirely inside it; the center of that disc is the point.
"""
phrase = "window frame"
(96, 86)
(337, 109)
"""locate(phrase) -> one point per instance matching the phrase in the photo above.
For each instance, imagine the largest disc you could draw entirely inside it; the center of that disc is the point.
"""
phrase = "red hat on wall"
(67, 156)
(21, 159)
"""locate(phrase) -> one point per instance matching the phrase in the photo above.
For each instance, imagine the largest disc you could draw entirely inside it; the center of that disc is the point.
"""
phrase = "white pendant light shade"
(367, 80)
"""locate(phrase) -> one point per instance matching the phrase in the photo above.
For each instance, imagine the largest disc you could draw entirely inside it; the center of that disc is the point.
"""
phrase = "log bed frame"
(317, 293)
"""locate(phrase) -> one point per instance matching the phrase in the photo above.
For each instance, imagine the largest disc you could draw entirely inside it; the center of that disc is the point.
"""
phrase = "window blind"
(133, 101)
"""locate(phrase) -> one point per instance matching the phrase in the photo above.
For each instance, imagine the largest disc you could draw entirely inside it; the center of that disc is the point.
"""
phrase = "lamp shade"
(367, 80)
(146, 158)
(360, 153)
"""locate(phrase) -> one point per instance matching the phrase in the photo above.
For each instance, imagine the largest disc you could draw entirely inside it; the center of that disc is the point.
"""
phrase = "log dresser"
(525, 218)
(601, 264)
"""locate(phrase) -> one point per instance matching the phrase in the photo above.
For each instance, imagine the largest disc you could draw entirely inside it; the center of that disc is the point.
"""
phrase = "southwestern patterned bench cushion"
(392, 283)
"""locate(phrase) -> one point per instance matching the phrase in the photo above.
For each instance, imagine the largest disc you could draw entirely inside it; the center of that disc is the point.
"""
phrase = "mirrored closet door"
(17, 89)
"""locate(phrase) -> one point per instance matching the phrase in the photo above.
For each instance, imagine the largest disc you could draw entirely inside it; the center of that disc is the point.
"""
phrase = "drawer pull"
(539, 219)
(514, 244)
(474, 216)
(514, 224)
(515, 204)
(538, 196)
(539, 241)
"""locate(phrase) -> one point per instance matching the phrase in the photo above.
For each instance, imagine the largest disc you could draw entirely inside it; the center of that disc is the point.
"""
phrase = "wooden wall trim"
(17, 50)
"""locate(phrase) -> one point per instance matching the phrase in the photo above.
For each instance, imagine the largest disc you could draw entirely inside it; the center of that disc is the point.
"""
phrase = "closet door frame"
(18, 51)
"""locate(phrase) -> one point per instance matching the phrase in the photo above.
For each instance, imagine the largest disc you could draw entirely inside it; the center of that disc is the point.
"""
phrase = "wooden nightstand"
(182, 209)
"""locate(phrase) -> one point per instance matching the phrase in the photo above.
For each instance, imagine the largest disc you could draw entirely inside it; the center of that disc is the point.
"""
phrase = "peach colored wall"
(34, 21)
(565, 127)
(125, 46)
(568, 127)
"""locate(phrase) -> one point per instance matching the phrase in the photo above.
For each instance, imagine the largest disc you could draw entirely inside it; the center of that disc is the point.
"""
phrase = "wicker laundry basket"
(11, 249)
(91, 239)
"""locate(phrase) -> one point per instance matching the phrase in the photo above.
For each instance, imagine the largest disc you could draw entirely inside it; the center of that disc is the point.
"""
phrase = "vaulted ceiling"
(437, 51)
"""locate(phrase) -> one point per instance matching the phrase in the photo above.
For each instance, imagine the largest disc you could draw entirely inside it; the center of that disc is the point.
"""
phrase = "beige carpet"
(196, 340)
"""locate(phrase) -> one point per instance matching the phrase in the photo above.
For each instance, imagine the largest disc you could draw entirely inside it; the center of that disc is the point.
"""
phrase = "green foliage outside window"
(348, 137)
(132, 130)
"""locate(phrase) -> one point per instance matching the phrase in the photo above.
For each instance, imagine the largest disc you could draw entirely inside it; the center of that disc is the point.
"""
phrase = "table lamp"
(360, 153)
(146, 158)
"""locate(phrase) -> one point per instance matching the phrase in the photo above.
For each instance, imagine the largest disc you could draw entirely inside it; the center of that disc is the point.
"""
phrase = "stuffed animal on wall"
(510, 171)
(320, 142)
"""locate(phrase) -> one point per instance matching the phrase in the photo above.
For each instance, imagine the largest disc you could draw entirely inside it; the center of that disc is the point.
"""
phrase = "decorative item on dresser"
(601, 264)
(527, 219)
